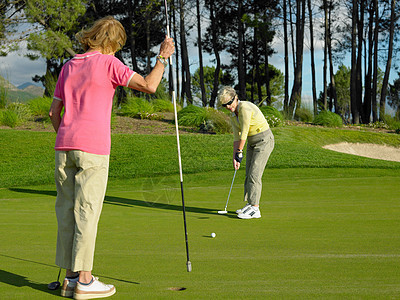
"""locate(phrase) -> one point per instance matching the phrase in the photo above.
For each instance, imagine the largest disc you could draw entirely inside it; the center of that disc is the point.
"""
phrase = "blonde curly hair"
(106, 34)
(225, 94)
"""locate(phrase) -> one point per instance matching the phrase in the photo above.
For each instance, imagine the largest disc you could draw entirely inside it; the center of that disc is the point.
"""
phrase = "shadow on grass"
(112, 200)
(159, 205)
(20, 281)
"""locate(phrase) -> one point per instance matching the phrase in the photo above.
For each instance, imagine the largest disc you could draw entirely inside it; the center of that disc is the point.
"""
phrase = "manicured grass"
(325, 233)
(330, 222)
(27, 158)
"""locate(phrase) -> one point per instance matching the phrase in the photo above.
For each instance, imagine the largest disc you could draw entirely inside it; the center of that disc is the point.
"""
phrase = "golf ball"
(213, 234)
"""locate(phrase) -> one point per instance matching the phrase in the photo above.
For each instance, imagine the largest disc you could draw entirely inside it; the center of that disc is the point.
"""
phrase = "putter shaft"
(226, 205)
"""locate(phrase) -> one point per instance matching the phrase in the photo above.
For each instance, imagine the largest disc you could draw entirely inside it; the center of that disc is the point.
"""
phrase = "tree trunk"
(353, 83)
(332, 75)
(389, 62)
(177, 55)
(295, 98)
(186, 89)
(256, 65)
(375, 68)
(254, 71)
(241, 68)
(217, 55)
(259, 83)
(359, 87)
(285, 41)
(201, 73)
(171, 88)
(148, 50)
(266, 64)
(314, 89)
(368, 75)
(267, 78)
(292, 33)
(253, 79)
(132, 44)
(325, 93)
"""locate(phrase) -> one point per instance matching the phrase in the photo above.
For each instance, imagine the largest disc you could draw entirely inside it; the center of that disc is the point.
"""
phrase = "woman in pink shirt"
(85, 89)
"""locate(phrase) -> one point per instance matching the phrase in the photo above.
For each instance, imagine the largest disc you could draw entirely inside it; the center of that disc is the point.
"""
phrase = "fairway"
(324, 234)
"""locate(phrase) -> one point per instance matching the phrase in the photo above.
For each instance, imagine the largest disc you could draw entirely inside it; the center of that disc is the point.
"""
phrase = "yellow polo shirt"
(249, 121)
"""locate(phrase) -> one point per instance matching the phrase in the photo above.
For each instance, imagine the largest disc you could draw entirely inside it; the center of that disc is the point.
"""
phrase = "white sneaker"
(251, 212)
(68, 287)
(96, 289)
(239, 211)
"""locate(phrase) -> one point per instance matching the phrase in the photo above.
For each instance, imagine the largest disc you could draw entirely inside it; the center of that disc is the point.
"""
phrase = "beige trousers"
(259, 148)
(81, 180)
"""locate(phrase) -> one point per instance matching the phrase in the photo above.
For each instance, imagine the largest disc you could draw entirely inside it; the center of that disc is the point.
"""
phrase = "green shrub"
(215, 122)
(3, 97)
(15, 114)
(40, 107)
(271, 111)
(207, 120)
(9, 118)
(273, 116)
(328, 119)
(392, 123)
(50, 81)
(192, 115)
(303, 115)
(136, 108)
(162, 105)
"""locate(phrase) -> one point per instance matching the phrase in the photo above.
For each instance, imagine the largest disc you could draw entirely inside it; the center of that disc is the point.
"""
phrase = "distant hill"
(25, 85)
(22, 94)
(32, 89)
(4, 83)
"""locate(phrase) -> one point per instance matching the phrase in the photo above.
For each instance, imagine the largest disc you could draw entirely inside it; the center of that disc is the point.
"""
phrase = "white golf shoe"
(239, 211)
(96, 289)
(250, 212)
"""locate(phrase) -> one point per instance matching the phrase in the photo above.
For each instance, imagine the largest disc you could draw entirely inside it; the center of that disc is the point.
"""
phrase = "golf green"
(324, 234)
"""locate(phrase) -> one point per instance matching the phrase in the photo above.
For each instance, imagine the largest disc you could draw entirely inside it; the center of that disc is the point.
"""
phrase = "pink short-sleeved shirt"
(86, 85)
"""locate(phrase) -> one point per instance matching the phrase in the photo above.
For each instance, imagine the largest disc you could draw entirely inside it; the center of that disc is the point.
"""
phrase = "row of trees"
(371, 20)
(363, 30)
(240, 37)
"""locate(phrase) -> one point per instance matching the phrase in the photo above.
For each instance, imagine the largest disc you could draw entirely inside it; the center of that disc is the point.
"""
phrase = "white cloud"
(18, 69)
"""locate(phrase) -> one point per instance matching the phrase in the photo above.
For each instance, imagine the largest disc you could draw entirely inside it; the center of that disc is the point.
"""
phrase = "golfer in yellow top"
(249, 124)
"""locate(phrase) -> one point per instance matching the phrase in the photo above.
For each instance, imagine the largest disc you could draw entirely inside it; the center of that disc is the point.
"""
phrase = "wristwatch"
(163, 60)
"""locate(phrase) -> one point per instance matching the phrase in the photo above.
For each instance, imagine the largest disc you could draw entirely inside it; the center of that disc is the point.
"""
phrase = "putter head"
(189, 266)
(53, 285)
(222, 212)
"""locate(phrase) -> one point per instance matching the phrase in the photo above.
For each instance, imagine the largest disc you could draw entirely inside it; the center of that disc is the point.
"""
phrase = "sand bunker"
(367, 150)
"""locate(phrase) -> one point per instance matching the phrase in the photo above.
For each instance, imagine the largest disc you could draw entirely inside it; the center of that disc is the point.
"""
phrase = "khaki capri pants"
(259, 148)
(81, 180)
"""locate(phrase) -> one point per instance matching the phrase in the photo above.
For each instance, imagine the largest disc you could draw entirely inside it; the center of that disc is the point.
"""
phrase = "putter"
(188, 263)
(55, 284)
(222, 212)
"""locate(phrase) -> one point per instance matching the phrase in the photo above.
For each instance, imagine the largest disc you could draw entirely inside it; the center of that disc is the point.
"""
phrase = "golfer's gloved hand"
(239, 156)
